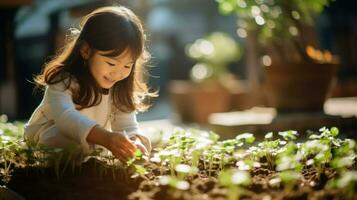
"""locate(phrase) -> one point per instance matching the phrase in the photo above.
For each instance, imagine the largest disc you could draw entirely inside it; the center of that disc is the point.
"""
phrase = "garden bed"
(191, 164)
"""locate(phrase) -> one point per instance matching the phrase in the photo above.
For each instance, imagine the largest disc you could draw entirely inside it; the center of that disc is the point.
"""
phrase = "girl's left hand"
(137, 142)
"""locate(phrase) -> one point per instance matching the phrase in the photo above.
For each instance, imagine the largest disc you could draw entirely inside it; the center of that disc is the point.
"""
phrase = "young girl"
(94, 86)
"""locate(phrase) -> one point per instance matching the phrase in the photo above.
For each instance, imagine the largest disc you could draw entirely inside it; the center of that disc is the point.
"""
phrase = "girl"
(94, 86)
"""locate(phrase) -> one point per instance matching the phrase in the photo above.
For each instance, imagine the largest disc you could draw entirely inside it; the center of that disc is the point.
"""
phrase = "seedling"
(347, 182)
(176, 185)
(135, 163)
(289, 135)
(235, 181)
(289, 178)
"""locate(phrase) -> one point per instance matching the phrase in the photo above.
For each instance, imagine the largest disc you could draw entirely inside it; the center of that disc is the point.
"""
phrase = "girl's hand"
(137, 142)
(121, 146)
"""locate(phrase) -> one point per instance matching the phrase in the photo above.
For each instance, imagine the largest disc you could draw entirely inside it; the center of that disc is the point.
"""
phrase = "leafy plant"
(279, 25)
(213, 53)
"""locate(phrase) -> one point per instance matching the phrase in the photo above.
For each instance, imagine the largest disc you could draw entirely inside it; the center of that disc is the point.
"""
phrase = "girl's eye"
(128, 66)
(110, 64)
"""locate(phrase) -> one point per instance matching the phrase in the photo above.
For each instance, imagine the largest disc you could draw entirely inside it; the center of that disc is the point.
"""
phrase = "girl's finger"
(143, 150)
(119, 156)
(125, 153)
(127, 143)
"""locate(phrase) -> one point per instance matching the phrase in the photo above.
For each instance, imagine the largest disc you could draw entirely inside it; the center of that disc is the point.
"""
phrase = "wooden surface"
(339, 112)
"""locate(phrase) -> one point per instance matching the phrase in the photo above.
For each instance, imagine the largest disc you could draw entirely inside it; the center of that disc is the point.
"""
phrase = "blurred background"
(208, 57)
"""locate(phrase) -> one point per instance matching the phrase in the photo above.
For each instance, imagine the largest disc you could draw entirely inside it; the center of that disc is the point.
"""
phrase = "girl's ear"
(85, 50)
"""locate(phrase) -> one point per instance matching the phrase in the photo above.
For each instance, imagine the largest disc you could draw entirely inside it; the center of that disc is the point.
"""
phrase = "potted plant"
(207, 91)
(298, 75)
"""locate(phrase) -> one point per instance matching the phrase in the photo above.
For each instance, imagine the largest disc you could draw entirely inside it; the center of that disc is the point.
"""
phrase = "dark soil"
(83, 183)
(208, 188)
(86, 183)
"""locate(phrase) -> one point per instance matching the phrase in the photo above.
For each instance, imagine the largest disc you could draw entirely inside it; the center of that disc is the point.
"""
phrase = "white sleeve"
(67, 119)
(127, 122)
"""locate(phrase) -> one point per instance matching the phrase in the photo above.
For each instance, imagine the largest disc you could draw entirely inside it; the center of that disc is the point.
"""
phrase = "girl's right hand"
(121, 146)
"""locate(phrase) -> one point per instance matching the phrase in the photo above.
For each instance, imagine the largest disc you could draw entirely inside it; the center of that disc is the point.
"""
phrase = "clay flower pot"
(299, 87)
(195, 102)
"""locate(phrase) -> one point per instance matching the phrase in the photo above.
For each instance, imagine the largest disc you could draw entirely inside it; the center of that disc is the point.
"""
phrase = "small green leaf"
(289, 135)
(248, 137)
(334, 131)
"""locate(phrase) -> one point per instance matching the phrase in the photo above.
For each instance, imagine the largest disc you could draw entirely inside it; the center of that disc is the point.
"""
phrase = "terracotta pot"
(195, 102)
(299, 87)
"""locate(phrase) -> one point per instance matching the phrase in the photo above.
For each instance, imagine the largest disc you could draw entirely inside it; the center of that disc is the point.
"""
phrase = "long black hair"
(114, 29)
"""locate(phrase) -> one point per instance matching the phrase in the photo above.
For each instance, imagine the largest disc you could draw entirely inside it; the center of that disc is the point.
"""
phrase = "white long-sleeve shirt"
(58, 112)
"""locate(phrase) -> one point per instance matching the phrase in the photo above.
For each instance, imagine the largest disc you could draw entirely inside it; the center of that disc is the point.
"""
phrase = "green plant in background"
(280, 26)
(213, 53)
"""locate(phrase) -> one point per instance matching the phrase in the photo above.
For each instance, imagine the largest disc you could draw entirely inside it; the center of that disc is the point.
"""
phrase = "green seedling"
(321, 155)
(289, 158)
(136, 165)
(176, 185)
(245, 165)
(235, 181)
(289, 178)
(185, 170)
(247, 137)
(288, 135)
(344, 156)
(347, 182)
(267, 149)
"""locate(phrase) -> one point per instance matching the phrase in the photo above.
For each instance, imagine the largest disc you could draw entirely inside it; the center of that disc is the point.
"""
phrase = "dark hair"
(112, 29)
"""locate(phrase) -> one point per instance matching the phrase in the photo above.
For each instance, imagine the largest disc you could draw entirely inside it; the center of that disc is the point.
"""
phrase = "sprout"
(184, 170)
(289, 135)
(174, 182)
(289, 178)
(248, 137)
(343, 162)
(235, 180)
(140, 170)
(347, 182)
(242, 166)
(247, 164)
(334, 131)
(137, 156)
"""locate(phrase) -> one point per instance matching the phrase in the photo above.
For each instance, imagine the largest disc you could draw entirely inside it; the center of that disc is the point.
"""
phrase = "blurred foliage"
(213, 54)
(277, 23)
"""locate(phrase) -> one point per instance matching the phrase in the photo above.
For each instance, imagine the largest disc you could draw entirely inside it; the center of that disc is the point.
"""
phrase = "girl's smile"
(109, 70)
(109, 79)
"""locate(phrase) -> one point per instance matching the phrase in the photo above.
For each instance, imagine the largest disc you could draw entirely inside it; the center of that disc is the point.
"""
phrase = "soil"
(208, 188)
(82, 184)
(85, 183)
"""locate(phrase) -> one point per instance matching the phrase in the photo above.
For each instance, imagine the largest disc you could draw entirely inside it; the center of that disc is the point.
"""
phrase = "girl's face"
(109, 70)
